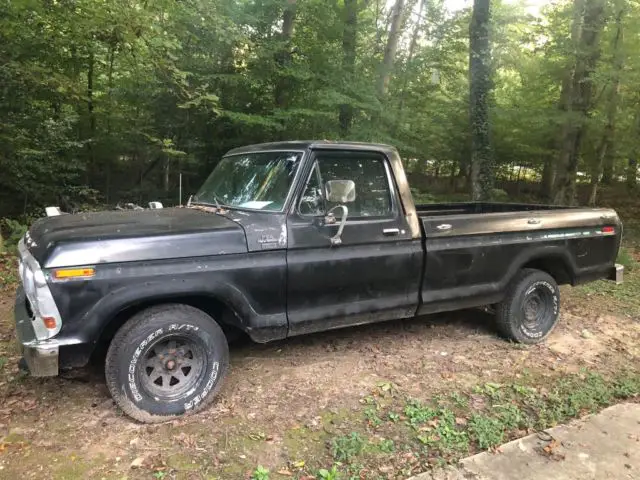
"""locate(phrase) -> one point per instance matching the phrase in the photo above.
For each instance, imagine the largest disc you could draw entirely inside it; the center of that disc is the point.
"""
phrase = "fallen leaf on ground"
(550, 450)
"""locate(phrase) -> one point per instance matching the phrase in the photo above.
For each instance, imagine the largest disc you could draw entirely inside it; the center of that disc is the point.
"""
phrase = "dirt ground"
(273, 407)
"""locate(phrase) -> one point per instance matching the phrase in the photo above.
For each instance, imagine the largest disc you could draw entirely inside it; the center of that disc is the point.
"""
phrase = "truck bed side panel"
(471, 258)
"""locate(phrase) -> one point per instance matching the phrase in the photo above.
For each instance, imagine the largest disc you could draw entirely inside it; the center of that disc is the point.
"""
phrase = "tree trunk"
(581, 102)
(112, 56)
(167, 168)
(607, 170)
(632, 163)
(283, 57)
(92, 118)
(348, 59)
(602, 151)
(632, 173)
(412, 48)
(550, 171)
(605, 154)
(390, 49)
(548, 178)
(480, 84)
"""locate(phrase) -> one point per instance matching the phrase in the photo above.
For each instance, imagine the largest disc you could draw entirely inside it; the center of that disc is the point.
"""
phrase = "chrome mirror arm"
(331, 219)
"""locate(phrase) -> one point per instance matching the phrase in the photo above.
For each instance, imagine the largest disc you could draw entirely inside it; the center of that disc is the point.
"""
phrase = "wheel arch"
(555, 261)
(217, 309)
(554, 265)
(224, 302)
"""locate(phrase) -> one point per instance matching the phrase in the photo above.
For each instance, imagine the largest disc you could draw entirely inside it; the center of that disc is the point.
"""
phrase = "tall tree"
(632, 162)
(566, 92)
(412, 50)
(480, 86)
(283, 55)
(390, 50)
(580, 103)
(349, 37)
(605, 153)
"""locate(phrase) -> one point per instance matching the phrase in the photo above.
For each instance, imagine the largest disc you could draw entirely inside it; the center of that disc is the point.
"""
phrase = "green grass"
(346, 447)
(450, 427)
(623, 298)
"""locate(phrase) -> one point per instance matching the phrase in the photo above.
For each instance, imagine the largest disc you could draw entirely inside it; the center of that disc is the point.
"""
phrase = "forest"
(114, 101)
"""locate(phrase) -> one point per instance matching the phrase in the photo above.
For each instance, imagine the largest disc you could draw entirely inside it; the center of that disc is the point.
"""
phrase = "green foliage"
(324, 474)
(14, 232)
(371, 415)
(417, 413)
(451, 427)
(459, 400)
(106, 102)
(260, 473)
(486, 431)
(346, 447)
(386, 445)
(499, 195)
(393, 417)
(625, 258)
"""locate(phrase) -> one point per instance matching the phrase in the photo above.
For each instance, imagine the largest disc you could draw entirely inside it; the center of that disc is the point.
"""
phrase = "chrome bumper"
(41, 356)
(616, 273)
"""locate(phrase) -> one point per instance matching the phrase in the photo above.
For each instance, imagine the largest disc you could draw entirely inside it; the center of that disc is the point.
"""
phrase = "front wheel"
(166, 361)
(531, 309)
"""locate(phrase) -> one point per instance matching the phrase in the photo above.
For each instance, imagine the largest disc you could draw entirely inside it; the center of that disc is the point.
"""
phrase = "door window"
(373, 196)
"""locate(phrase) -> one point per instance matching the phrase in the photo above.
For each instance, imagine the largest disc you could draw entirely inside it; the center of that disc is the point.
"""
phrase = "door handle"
(533, 221)
(444, 226)
(391, 231)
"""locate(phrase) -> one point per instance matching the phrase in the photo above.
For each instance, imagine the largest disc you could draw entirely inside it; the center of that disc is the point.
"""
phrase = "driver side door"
(374, 274)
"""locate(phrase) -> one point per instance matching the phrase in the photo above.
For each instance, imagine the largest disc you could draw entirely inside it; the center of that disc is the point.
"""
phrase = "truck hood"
(108, 237)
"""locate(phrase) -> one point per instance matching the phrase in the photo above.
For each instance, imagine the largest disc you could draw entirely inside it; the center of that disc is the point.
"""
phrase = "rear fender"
(541, 253)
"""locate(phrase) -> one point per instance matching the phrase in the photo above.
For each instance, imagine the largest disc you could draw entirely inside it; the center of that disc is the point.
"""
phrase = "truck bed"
(472, 250)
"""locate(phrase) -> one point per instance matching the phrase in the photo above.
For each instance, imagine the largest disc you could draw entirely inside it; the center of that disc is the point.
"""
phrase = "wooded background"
(106, 101)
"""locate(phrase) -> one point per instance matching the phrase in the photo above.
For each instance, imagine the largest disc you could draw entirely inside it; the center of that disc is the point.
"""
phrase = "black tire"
(166, 361)
(531, 309)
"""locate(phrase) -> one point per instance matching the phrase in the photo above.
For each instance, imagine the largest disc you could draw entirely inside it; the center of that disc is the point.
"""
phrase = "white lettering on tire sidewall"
(195, 401)
(131, 373)
(556, 305)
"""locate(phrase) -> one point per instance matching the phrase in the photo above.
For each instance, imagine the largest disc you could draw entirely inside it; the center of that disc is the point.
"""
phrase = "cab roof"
(302, 145)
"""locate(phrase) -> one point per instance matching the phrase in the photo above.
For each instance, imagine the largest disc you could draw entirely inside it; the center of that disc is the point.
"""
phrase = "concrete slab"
(602, 446)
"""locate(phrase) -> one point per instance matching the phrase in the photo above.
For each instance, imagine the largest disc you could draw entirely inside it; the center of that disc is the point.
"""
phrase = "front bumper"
(41, 356)
(616, 274)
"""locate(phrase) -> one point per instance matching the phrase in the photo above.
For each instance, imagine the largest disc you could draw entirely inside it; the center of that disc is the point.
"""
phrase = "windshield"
(258, 181)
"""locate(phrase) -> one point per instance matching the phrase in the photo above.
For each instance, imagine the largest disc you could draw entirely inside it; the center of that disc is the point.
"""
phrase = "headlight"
(46, 321)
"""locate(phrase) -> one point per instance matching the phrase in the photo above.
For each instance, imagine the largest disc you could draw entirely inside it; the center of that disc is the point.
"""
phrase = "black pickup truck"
(285, 239)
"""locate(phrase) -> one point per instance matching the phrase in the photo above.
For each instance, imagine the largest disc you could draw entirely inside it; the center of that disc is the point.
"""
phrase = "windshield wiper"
(216, 200)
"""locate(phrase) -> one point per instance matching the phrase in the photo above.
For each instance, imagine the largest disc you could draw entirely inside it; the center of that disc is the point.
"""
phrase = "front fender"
(273, 326)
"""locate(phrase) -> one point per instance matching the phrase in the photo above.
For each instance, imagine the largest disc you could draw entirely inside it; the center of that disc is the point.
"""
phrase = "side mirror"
(340, 192)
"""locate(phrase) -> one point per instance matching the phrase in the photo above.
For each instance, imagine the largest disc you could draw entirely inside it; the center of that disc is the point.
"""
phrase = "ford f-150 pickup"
(285, 239)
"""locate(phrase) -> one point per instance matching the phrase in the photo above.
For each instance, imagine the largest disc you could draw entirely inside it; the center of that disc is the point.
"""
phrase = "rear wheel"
(531, 309)
(166, 361)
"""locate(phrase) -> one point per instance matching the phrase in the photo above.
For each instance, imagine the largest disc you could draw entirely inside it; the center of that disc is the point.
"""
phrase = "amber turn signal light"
(49, 322)
(70, 273)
